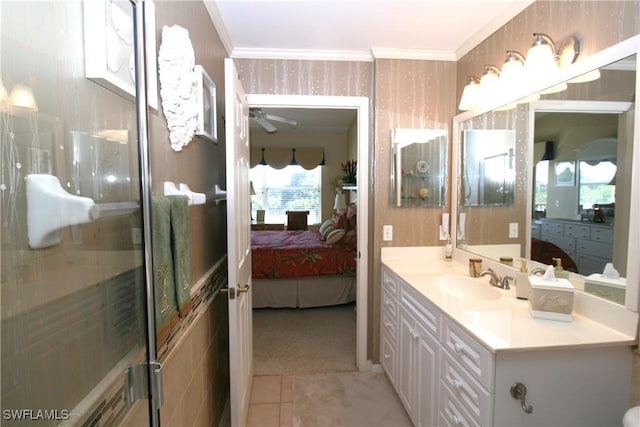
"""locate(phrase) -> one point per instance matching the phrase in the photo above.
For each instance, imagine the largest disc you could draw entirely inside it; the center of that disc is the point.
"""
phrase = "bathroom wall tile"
(192, 398)
(200, 338)
(177, 368)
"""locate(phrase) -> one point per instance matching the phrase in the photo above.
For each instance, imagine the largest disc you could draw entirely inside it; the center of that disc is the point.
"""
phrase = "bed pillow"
(335, 236)
(327, 230)
(325, 225)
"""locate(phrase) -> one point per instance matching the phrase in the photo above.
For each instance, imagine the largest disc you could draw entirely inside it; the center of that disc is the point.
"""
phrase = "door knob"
(242, 289)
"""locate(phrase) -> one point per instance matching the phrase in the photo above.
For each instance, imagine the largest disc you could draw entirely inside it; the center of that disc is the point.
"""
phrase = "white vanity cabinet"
(446, 376)
(418, 356)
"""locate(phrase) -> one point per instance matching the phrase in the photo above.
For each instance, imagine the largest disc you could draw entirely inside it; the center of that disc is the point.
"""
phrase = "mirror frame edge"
(623, 49)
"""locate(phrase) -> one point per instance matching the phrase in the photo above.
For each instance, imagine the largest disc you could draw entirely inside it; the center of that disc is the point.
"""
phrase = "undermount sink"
(468, 289)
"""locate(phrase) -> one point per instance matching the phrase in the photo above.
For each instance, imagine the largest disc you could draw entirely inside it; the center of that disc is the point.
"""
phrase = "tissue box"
(606, 287)
(551, 300)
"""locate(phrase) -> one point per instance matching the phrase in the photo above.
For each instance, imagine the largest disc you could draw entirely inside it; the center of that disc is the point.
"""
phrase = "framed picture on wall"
(565, 173)
(109, 48)
(206, 101)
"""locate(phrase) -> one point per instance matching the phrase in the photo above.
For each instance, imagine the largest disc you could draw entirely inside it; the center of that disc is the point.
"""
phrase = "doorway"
(361, 106)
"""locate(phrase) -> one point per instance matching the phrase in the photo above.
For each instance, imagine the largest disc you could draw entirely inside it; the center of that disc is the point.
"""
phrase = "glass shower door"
(73, 304)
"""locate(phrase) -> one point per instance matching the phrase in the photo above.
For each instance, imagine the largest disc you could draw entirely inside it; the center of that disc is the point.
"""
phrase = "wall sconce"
(340, 203)
(470, 95)
(22, 96)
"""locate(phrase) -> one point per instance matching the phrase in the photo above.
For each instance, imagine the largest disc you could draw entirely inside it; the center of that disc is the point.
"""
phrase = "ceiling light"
(22, 97)
(586, 77)
(470, 95)
(512, 78)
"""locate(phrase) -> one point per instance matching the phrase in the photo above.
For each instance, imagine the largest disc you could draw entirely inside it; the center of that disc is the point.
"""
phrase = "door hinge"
(142, 379)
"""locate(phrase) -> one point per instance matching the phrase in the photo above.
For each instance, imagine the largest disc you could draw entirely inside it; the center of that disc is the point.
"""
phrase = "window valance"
(280, 157)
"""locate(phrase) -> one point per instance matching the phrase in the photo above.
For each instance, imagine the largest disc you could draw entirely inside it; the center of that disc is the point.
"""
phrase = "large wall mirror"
(569, 159)
(419, 167)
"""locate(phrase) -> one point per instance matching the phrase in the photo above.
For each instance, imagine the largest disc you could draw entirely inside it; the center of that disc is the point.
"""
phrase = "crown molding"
(297, 54)
(218, 24)
(418, 54)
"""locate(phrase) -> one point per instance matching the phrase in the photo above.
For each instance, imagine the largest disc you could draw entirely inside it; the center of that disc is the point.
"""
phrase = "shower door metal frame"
(154, 368)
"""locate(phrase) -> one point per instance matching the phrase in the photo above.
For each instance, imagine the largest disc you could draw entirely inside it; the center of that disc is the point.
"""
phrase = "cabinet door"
(426, 374)
(580, 387)
(405, 373)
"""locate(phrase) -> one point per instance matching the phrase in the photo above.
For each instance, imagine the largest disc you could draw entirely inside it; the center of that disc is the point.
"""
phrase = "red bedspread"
(298, 253)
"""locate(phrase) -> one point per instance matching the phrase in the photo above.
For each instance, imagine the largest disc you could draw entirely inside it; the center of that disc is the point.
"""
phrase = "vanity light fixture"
(568, 54)
(470, 95)
(489, 82)
(541, 62)
(3, 92)
(22, 96)
(512, 79)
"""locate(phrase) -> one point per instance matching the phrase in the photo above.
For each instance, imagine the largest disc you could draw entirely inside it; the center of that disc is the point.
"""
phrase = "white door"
(239, 245)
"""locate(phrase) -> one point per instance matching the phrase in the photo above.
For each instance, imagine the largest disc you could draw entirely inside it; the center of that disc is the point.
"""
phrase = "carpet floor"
(304, 341)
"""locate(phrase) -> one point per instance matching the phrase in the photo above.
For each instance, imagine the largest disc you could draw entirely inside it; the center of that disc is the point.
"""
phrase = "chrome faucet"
(495, 280)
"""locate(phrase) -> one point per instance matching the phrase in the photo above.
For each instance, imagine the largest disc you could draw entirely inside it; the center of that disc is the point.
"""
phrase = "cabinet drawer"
(389, 304)
(567, 244)
(451, 412)
(471, 355)
(389, 282)
(389, 324)
(422, 310)
(589, 264)
(597, 249)
(467, 391)
(577, 231)
(553, 228)
(602, 234)
(388, 358)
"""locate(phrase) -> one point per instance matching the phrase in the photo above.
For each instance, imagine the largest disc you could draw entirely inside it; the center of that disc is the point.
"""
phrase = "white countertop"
(503, 324)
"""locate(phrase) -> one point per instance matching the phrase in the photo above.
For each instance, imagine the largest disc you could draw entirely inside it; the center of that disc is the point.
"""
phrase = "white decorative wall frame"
(109, 47)
(206, 99)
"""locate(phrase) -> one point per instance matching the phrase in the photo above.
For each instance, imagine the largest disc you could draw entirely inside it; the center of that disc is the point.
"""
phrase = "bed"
(299, 269)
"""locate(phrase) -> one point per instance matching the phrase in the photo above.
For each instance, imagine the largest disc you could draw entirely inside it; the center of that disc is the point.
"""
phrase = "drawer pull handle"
(519, 391)
(457, 385)
(387, 302)
(457, 347)
(456, 420)
(387, 356)
(387, 323)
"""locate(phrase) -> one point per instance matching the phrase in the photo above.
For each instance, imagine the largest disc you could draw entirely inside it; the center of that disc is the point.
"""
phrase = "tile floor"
(271, 402)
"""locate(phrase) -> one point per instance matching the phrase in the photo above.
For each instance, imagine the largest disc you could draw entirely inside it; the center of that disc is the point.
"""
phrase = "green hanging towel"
(180, 250)
(163, 277)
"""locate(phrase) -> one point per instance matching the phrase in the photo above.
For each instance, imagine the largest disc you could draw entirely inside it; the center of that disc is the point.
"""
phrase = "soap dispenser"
(559, 272)
(523, 286)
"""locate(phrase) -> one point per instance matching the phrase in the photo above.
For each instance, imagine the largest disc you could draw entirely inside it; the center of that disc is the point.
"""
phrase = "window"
(596, 186)
(280, 190)
(540, 188)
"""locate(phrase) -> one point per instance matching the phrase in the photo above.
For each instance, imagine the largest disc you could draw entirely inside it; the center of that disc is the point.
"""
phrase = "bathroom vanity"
(454, 347)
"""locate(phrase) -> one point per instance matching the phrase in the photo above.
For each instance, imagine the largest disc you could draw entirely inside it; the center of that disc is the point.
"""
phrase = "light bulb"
(22, 96)
(470, 98)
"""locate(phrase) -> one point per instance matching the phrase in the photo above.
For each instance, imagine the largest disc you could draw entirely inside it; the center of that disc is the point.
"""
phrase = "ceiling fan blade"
(280, 119)
(268, 127)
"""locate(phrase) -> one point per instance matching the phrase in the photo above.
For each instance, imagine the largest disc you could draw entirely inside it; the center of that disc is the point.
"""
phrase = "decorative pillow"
(335, 236)
(340, 220)
(327, 230)
(325, 225)
(351, 238)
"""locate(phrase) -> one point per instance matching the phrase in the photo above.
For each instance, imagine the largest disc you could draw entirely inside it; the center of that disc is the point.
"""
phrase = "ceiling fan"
(265, 119)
